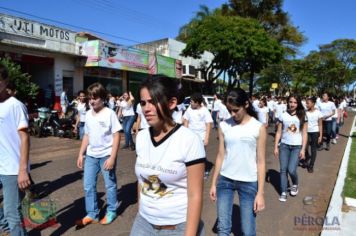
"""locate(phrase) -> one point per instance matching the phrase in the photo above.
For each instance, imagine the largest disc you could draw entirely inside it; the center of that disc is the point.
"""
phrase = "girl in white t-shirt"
(126, 112)
(82, 109)
(169, 167)
(315, 132)
(100, 145)
(262, 112)
(292, 131)
(240, 165)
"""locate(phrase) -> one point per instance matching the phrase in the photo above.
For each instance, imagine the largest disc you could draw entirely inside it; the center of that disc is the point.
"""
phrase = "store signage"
(28, 28)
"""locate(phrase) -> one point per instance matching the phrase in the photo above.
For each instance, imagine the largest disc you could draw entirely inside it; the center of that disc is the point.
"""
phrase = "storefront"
(47, 53)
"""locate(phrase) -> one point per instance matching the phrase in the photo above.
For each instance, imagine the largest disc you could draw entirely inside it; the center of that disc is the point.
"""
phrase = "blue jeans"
(215, 118)
(12, 206)
(334, 128)
(92, 166)
(288, 161)
(127, 124)
(81, 130)
(142, 227)
(247, 191)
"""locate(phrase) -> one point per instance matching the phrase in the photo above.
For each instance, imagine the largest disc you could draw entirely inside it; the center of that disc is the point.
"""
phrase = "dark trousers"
(327, 125)
(215, 118)
(313, 143)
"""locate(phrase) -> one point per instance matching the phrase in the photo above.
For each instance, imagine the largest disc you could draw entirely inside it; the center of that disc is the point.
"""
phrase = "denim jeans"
(127, 124)
(288, 161)
(334, 128)
(247, 191)
(327, 126)
(92, 166)
(313, 143)
(142, 227)
(214, 115)
(81, 130)
(12, 206)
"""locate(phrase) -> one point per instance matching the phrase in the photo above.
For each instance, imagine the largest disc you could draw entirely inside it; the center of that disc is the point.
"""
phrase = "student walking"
(292, 131)
(240, 165)
(169, 167)
(14, 158)
(328, 109)
(82, 109)
(315, 132)
(100, 146)
(127, 113)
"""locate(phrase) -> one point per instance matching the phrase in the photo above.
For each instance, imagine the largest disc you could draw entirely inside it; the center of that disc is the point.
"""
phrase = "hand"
(23, 180)
(212, 193)
(206, 141)
(109, 164)
(75, 130)
(302, 154)
(320, 140)
(276, 152)
(259, 203)
(80, 161)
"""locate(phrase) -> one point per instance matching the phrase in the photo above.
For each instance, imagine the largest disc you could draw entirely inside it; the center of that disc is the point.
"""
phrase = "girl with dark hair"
(315, 132)
(292, 130)
(126, 112)
(262, 112)
(169, 167)
(82, 109)
(240, 165)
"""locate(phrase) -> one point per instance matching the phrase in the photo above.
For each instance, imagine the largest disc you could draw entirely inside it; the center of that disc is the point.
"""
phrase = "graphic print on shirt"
(292, 128)
(154, 188)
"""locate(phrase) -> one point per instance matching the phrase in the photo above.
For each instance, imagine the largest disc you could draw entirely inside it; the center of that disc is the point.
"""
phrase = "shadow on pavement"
(273, 177)
(127, 195)
(38, 165)
(236, 222)
(47, 187)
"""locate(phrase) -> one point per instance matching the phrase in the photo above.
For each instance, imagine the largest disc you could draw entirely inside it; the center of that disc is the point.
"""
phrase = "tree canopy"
(239, 45)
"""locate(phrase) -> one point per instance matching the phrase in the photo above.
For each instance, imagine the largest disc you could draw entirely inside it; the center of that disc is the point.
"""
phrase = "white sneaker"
(283, 197)
(333, 141)
(294, 190)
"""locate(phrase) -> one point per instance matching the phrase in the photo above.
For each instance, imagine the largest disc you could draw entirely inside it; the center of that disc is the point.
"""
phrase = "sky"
(137, 21)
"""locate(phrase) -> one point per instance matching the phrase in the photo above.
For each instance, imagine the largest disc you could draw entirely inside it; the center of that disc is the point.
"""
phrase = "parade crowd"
(170, 145)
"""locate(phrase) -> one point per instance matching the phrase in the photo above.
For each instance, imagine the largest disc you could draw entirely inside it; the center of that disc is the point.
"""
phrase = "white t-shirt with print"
(82, 110)
(100, 128)
(198, 118)
(13, 117)
(143, 123)
(326, 108)
(262, 114)
(313, 120)
(127, 109)
(291, 133)
(161, 170)
(240, 160)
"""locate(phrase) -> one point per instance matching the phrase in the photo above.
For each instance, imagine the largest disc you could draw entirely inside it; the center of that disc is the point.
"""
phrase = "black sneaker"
(294, 190)
(132, 148)
(310, 169)
(327, 148)
(125, 148)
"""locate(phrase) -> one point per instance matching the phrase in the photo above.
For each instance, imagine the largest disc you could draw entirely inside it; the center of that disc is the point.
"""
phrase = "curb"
(350, 202)
(334, 213)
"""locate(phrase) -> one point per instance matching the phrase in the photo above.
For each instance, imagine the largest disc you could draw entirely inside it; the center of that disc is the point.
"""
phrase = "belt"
(164, 227)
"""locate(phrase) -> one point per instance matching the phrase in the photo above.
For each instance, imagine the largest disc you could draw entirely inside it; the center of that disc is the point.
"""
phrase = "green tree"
(272, 17)
(239, 45)
(24, 87)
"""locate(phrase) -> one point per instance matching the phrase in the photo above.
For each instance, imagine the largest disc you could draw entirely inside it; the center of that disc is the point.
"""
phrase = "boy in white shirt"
(100, 146)
(14, 155)
(198, 119)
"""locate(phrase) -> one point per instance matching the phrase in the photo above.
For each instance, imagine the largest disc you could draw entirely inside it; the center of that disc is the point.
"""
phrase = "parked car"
(208, 99)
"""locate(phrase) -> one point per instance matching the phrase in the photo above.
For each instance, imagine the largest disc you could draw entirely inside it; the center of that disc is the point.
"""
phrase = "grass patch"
(350, 181)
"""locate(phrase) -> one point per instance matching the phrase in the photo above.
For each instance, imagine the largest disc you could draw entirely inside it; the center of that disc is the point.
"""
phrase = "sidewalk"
(54, 171)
